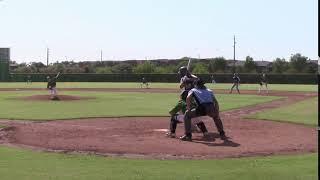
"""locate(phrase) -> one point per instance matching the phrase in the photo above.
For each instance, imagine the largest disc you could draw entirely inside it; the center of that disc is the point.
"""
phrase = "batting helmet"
(183, 71)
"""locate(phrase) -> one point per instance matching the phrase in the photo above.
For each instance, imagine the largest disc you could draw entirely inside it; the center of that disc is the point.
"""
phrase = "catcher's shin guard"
(173, 124)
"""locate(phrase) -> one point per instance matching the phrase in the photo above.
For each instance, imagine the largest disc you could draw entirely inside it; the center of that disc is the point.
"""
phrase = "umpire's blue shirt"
(202, 96)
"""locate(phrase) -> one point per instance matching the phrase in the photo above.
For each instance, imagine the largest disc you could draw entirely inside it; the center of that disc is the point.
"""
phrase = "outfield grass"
(279, 87)
(107, 104)
(305, 112)
(24, 164)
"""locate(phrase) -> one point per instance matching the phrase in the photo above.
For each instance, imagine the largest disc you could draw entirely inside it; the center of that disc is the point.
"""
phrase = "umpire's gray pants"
(211, 110)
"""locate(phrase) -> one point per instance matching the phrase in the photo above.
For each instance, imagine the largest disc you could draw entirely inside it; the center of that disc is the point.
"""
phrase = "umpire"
(207, 105)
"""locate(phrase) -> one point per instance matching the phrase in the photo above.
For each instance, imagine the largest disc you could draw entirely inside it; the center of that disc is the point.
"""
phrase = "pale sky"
(138, 29)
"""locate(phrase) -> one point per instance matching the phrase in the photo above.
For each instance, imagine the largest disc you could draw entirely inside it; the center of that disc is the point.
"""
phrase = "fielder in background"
(207, 105)
(236, 82)
(177, 118)
(212, 80)
(263, 82)
(29, 80)
(144, 83)
(52, 83)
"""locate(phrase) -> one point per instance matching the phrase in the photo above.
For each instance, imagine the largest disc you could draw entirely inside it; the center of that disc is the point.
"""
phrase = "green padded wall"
(4, 64)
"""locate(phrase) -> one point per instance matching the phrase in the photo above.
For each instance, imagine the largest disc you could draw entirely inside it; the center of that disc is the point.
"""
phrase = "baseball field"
(117, 131)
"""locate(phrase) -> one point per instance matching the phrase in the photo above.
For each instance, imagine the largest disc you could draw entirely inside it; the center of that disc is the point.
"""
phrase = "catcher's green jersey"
(181, 106)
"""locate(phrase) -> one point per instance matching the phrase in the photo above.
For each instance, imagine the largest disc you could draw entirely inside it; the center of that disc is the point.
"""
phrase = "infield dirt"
(144, 137)
(48, 98)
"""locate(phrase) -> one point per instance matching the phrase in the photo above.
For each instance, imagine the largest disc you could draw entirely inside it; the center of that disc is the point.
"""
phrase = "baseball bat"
(188, 66)
(58, 75)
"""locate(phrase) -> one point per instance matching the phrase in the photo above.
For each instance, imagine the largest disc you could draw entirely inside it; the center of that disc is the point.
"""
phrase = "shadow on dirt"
(210, 141)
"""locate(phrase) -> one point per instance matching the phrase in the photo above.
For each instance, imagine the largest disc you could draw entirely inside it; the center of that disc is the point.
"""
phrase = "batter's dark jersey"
(52, 83)
(188, 82)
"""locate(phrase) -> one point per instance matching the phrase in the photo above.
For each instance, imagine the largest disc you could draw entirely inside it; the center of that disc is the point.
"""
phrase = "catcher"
(178, 118)
(207, 105)
(52, 83)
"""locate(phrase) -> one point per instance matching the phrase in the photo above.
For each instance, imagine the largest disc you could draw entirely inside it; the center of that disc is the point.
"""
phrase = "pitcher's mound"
(60, 98)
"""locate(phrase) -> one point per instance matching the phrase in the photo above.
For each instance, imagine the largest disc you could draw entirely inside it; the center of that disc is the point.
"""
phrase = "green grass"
(305, 112)
(279, 87)
(27, 165)
(107, 104)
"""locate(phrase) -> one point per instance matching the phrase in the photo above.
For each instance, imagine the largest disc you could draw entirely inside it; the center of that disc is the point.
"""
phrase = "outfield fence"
(219, 78)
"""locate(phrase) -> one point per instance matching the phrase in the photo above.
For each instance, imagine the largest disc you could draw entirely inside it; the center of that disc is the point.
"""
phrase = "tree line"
(296, 64)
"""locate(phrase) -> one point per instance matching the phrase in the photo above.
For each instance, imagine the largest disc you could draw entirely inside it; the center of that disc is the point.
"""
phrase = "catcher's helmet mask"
(199, 83)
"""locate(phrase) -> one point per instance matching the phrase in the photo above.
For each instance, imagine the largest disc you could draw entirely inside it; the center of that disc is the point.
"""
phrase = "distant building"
(13, 66)
(232, 63)
(263, 66)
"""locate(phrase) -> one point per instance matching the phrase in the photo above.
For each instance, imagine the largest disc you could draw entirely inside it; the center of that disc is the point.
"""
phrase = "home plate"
(161, 130)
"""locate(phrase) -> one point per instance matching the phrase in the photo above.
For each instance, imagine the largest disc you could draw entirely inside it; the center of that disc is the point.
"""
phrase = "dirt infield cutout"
(47, 98)
(145, 136)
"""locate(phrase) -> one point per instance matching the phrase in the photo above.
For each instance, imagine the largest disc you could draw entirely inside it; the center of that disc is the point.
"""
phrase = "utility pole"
(234, 54)
(101, 55)
(47, 56)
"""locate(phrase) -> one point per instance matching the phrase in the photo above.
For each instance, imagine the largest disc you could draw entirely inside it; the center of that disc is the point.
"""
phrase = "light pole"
(234, 54)
(47, 56)
(101, 55)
